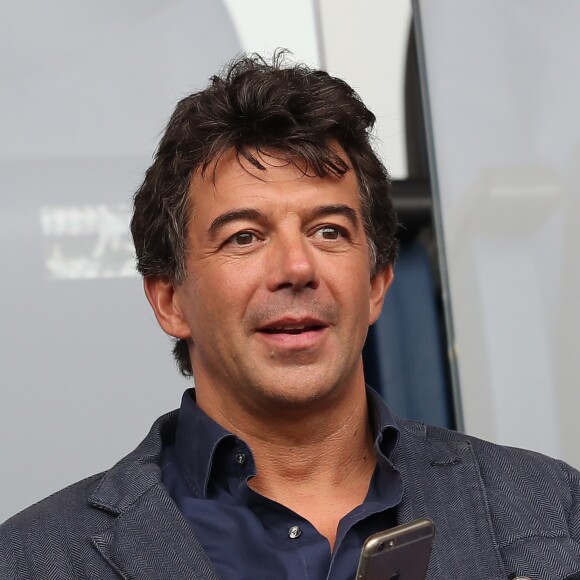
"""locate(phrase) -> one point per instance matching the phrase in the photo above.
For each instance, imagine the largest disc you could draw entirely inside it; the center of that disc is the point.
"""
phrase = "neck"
(317, 463)
(321, 448)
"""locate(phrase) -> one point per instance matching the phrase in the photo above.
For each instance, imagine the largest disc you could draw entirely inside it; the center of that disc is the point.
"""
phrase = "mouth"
(294, 333)
(293, 325)
(292, 329)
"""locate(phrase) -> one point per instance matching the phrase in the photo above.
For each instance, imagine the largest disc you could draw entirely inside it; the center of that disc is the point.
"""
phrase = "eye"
(329, 233)
(243, 238)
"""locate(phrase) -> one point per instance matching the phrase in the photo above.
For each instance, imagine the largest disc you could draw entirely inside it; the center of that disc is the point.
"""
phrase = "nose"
(292, 264)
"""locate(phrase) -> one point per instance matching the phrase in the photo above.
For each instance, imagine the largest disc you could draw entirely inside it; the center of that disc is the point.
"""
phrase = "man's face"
(277, 298)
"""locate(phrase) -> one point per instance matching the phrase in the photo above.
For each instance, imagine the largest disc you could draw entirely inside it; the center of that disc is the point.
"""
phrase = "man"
(265, 236)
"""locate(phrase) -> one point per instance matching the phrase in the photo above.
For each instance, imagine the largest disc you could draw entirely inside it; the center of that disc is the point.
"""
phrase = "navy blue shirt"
(248, 536)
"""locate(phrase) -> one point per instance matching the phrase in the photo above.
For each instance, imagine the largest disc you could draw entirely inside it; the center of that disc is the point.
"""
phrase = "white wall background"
(504, 92)
(365, 42)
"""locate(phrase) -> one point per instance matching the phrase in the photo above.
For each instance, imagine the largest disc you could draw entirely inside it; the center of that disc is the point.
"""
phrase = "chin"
(299, 393)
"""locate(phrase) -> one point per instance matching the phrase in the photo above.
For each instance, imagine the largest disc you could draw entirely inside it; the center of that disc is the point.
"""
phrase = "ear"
(380, 283)
(161, 295)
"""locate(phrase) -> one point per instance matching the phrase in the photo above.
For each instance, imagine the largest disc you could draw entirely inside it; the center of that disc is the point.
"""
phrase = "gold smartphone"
(399, 553)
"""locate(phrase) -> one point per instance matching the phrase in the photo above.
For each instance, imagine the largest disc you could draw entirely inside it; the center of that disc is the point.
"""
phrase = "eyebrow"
(253, 214)
(231, 216)
(334, 209)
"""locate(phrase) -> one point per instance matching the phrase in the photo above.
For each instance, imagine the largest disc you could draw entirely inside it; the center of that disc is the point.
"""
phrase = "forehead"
(232, 179)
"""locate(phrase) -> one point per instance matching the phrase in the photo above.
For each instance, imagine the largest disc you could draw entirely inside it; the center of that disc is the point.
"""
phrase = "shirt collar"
(198, 437)
(196, 440)
(384, 426)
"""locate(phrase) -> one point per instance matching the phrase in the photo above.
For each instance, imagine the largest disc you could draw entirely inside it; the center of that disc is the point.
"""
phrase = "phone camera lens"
(381, 547)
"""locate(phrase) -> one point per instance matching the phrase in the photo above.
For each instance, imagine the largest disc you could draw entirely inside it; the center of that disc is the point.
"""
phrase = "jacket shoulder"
(53, 539)
(54, 509)
(51, 534)
(526, 490)
(490, 455)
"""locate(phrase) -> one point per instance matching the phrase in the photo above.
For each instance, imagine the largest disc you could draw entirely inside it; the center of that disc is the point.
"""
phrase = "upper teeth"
(290, 327)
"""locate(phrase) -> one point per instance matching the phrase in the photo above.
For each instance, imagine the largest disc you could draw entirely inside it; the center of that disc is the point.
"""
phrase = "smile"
(295, 334)
(293, 329)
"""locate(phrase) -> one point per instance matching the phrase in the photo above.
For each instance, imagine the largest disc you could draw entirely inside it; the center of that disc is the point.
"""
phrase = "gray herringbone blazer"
(499, 513)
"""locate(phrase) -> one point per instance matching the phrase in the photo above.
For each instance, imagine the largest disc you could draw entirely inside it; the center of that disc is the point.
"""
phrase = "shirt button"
(241, 457)
(294, 532)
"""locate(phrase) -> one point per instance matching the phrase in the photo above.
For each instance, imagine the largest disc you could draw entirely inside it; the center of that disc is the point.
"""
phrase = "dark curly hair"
(254, 106)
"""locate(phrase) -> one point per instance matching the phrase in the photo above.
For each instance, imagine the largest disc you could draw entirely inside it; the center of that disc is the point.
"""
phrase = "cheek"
(224, 293)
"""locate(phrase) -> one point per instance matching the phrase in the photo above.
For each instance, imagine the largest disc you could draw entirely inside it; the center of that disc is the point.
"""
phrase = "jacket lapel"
(148, 538)
(152, 540)
(443, 482)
